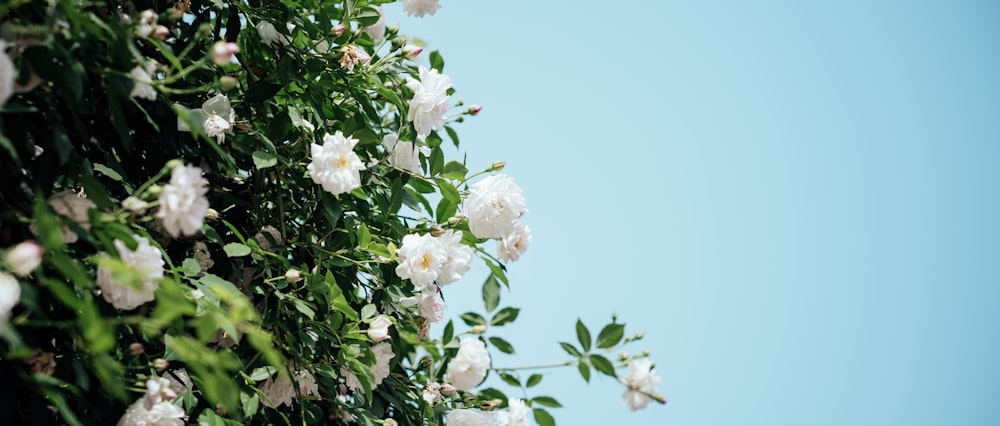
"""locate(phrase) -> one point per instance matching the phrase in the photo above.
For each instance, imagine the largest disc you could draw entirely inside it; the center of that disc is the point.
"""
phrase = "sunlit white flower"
(7, 73)
(72, 207)
(640, 384)
(469, 366)
(280, 390)
(216, 117)
(147, 23)
(493, 206)
(404, 154)
(430, 100)
(470, 417)
(270, 35)
(142, 77)
(516, 414)
(351, 55)
(161, 414)
(379, 329)
(431, 304)
(420, 259)
(146, 261)
(10, 296)
(420, 8)
(335, 165)
(515, 243)
(183, 203)
(377, 30)
(459, 257)
(24, 257)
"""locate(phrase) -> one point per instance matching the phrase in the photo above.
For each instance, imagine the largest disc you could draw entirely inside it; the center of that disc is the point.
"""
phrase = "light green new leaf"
(236, 250)
(263, 160)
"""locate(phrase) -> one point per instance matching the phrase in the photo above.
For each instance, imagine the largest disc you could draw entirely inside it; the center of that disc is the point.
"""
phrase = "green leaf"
(449, 332)
(452, 134)
(364, 236)
(584, 371)
(367, 16)
(533, 380)
(368, 311)
(454, 170)
(436, 161)
(304, 307)
(236, 250)
(570, 349)
(491, 293)
(510, 379)
(261, 91)
(603, 365)
(263, 160)
(610, 335)
(502, 345)
(262, 373)
(437, 62)
(505, 316)
(546, 401)
(543, 418)
(583, 336)
(473, 319)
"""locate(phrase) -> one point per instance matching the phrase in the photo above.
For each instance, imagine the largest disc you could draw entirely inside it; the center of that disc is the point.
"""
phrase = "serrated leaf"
(546, 401)
(610, 335)
(603, 365)
(570, 349)
(491, 293)
(543, 418)
(236, 250)
(502, 345)
(505, 316)
(583, 336)
(263, 160)
(533, 380)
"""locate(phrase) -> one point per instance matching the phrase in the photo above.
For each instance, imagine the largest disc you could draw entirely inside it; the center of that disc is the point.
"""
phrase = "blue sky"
(798, 202)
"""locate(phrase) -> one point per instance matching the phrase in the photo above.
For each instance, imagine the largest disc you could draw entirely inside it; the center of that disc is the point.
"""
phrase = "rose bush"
(241, 212)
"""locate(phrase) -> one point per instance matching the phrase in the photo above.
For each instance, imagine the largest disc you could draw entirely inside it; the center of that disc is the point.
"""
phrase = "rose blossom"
(432, 392)
(379, 329)
(161, 414)
(459, 257)
(470, 417)
(24, 257)
(335, 165)
(640, 384)
(216, 116)
(183, 203)
(431, 304)
(430, 100)
(403, 154)
(493, 206)
(516, 414)
(420, 259)
(10, 295)
(142, 77)
(222, 52)
(469, 366)
(158, 390)
(419, 8)
(351, 55)
(147, 261)
(515, 243)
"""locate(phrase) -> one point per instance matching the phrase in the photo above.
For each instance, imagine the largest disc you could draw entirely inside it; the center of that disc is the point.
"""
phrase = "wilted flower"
(640, 384)
(183, 203)
(180, 381)
(142, 77)
(146, 261)
(379, 329)
(420, 8)
(430, 100)
(42, 362)
(493, 206)
(263, 241)
(515, 243)
(335, 165)
(404, 154)
(420, 259)
(377, 30)
(459, 258)
(516, 414)
(470, 417)
(350, 56)
(203, 256)
(279, 390)
(432, 392)
(147, 23)
(24, 257)
(469, 366)
(222, 52)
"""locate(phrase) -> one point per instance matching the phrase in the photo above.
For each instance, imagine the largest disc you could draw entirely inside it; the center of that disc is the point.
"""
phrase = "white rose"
(469, 417)
(468, 368)
(24, 258)
(493, 206)
(379, 329)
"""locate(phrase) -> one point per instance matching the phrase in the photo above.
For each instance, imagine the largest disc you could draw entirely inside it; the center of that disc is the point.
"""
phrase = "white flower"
(161, 414)
(270, 35)
(216, 117)
(420, 8)
(516, 414)
(222, 52)
(432, 392)
(183, 203)
(147, 23)
(280, 390)
(72, 207)
(351, 56)
(377, 30)
(640, 384)
(403, 154)
(263, 241)
(420, 259)
(379, 329)
(469, 366)
(470, 417)
(10, 296)
(335, 165)
(142, 77)
(7, 72)
(430, 101)
(24, 257)
(431, 304)
(459, 257)
(147, 261)
(493, 206)
(158, 390)
(515, 243)
(383, 354)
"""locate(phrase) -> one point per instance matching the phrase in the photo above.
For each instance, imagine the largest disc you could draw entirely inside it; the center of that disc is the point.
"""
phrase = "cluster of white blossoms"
(146, 261)
(183, 203)
(494, 206)
(470, 417)
(419, 8)
(335, 165)
(154, 408)
(516, 414)
(424, 259)
(404, 155)
(280, 390)
(430, 101)
(640, 384)
(469, 367)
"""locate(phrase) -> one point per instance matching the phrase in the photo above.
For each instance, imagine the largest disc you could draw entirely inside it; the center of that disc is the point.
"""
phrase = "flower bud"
(498, 166)
(490, 405)
(411, 52)
(474, 109)
(211, 214)
(645, 352)
(135, 205)
(227, 83)
(398, 42)
(391, 31)
(437, 230)
(24, 258)
(479, 329)
(220, 409)
(222, 52)
(447, 389)
(390, 422)
(160, 364)
(338, 30)
(623, 356)
(455, 220)
(293, 276)
(136, 348)
(639, 335)
(204, 30)
(161, 32)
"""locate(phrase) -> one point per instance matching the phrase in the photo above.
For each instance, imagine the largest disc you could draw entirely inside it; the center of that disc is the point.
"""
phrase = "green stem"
(536, 367)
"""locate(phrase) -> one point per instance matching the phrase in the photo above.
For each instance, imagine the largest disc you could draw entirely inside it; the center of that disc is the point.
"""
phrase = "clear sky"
(797, 201)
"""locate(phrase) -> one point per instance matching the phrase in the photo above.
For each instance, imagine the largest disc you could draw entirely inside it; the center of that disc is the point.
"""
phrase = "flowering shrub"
(241, 212)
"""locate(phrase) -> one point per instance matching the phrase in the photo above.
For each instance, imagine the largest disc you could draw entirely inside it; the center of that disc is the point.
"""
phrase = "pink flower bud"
(222, 52)
(24, 258)
(447, 389)
(473, 110)
(161, 32)
(338, 30)
(411, 51)
(293, 276)
(136, 348)
(160, 364)
(437, 230)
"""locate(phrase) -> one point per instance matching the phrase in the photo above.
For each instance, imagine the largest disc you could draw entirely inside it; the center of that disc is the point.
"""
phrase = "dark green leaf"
(570, 349)
(473, 319)
(546, 401)
(510, 379)
(583, 336)
(437, 62)
(610, 335)
(491, 293)
(502, 345)
(603, 365)
(543, 418)
(505, 316)
(534, 379)
(584, 371)
(261, 91)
